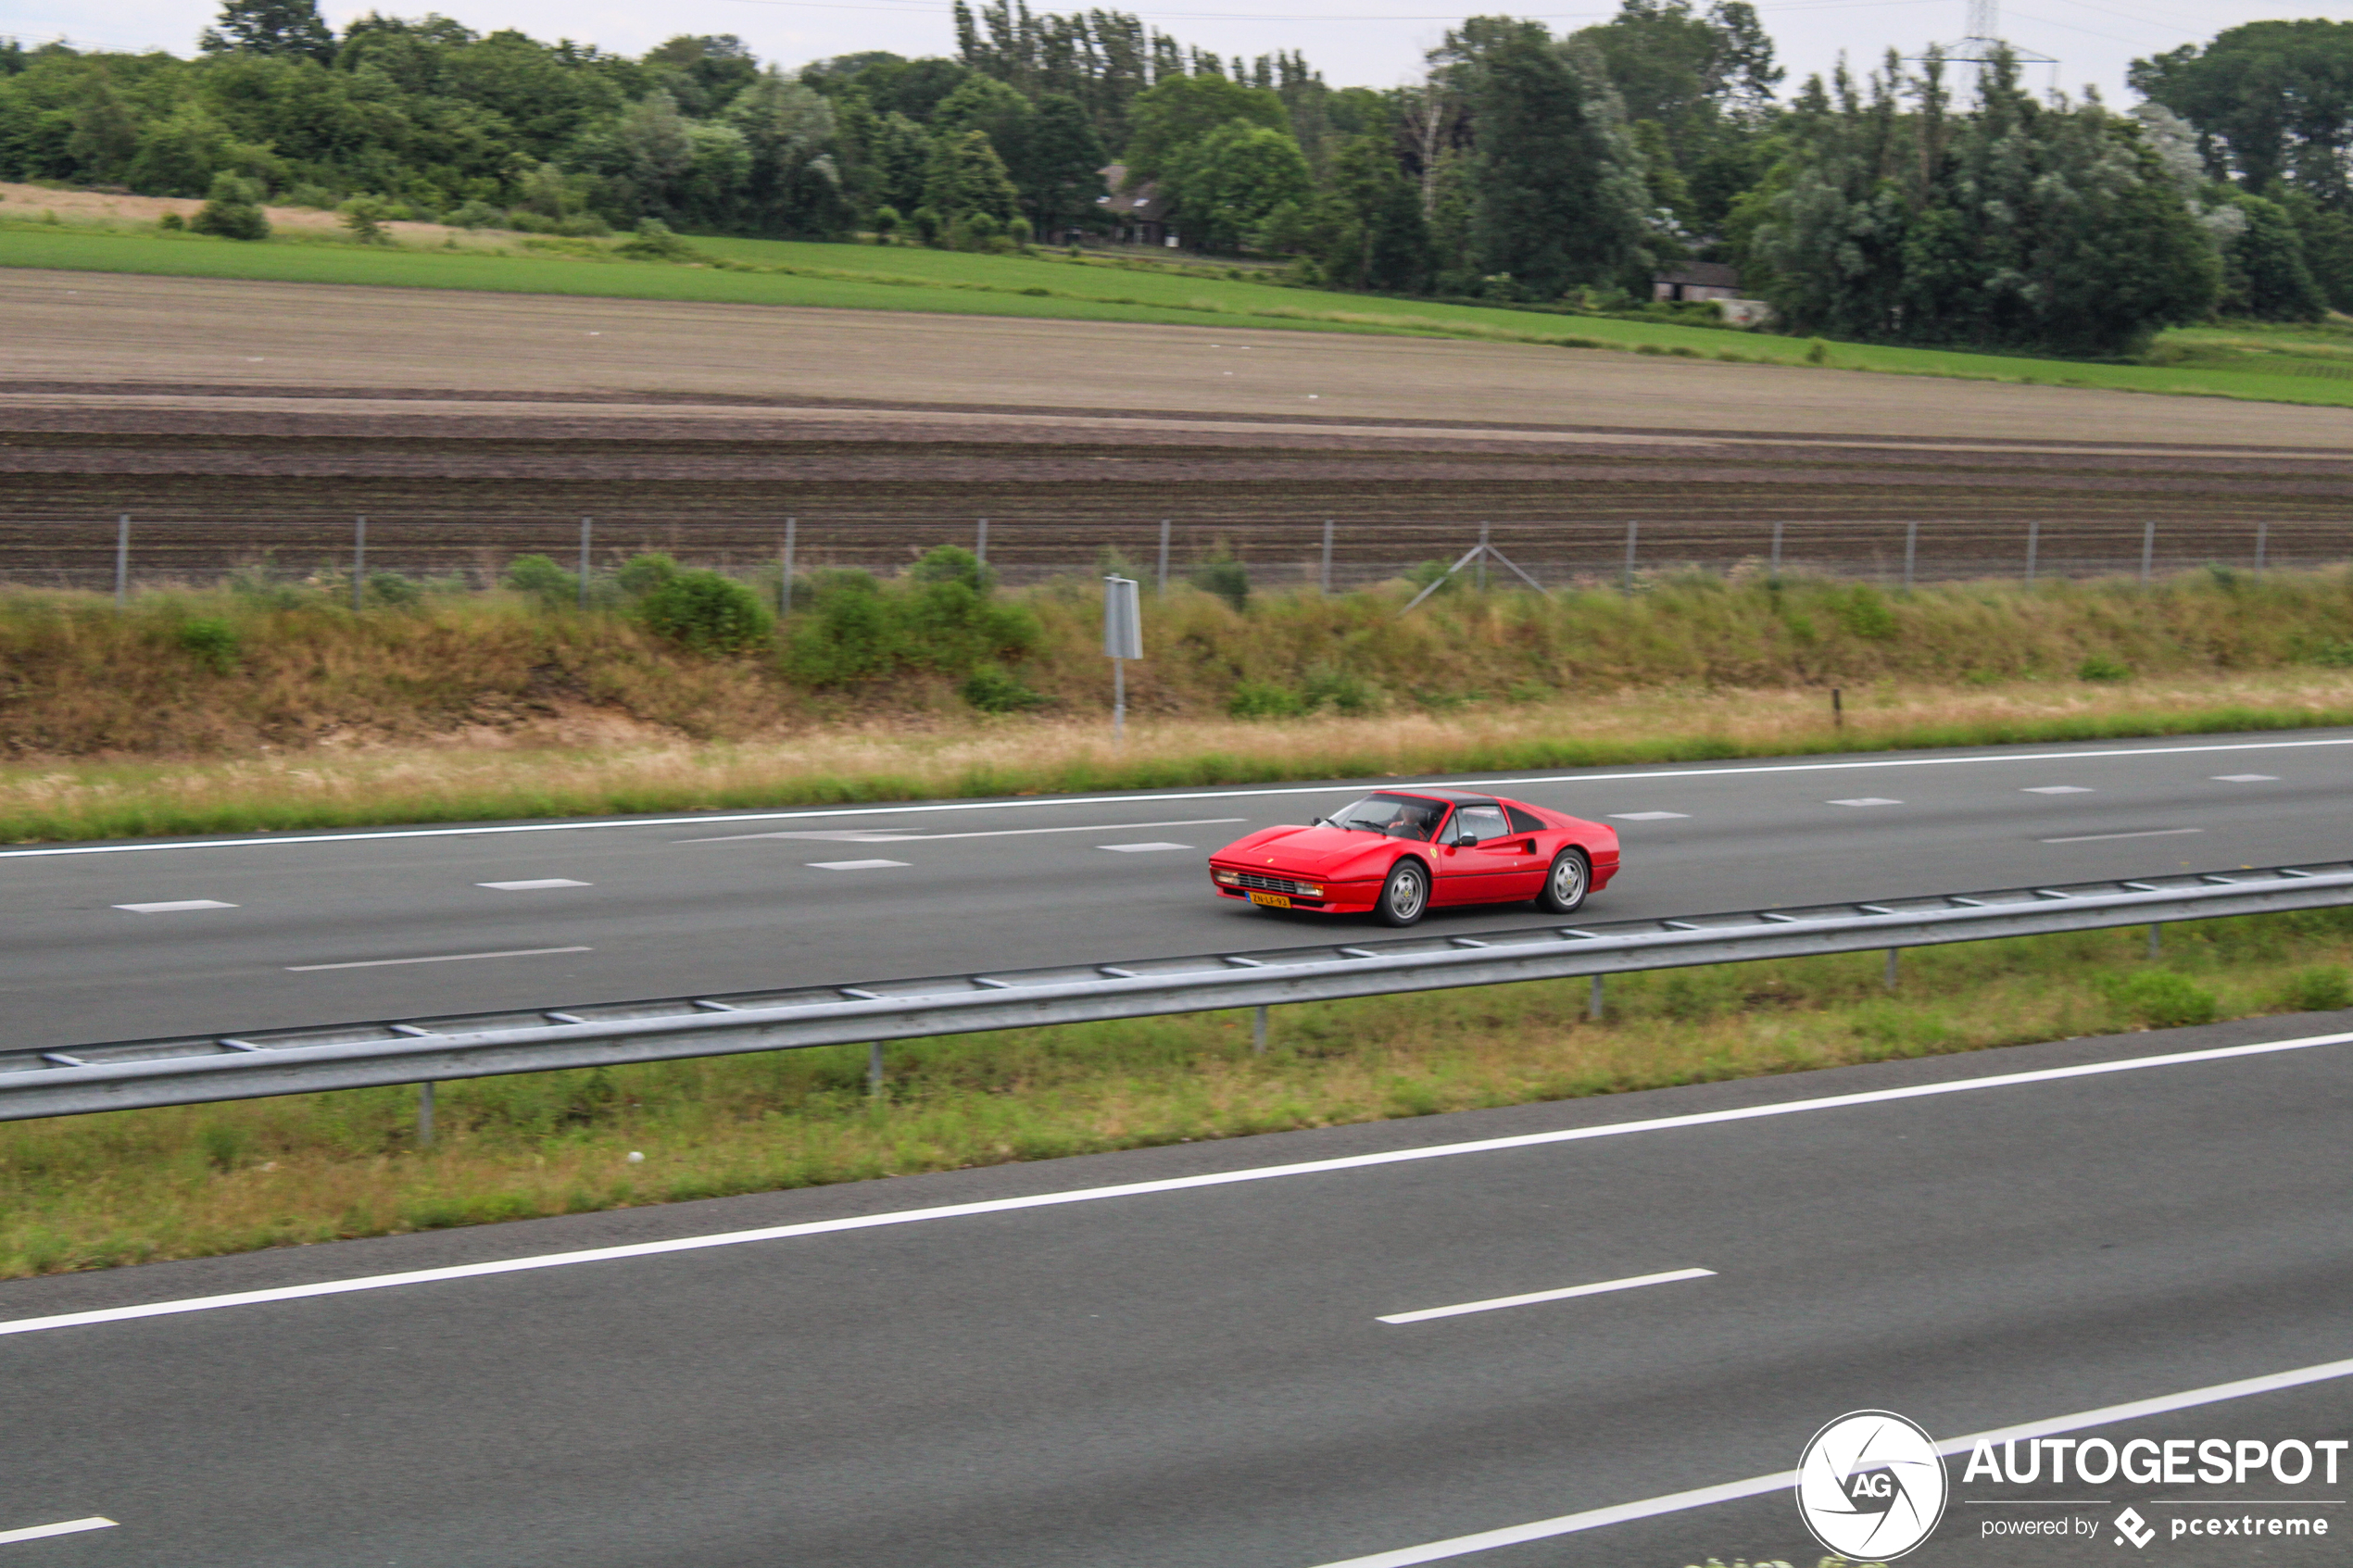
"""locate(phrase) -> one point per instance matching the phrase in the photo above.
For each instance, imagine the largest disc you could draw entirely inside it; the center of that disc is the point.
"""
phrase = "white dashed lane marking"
(1646, 816)
(1868, 800)
(852, 865)
(438, 958)
(1141, 848)
(534, 885)
(70, 1527)
(175, 906)
(1604, 1289)
(2096, 837)
(2246, 777)
(2055, 789)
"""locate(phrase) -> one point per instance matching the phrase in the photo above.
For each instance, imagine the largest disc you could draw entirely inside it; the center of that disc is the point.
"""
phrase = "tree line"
(1524, 168)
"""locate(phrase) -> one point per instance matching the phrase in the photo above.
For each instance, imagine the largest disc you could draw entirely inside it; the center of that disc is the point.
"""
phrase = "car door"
(1486, 868)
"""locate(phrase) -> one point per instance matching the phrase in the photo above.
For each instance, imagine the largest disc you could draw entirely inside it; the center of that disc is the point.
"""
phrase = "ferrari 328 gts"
(1397, 852)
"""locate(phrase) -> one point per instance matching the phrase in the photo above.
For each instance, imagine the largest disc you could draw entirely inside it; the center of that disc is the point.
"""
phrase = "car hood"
(1316, 851)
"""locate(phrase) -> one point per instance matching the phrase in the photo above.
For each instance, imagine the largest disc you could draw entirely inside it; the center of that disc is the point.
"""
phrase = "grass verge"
(873, 277)
(97, 1191)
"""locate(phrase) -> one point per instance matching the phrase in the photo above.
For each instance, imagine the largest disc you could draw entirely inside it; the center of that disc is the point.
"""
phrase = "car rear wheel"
(1567, 883)
(1405, 896)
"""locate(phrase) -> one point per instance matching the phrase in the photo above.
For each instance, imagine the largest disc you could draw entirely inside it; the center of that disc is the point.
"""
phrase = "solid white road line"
(175, 906)
(2102, 837)
(1140, 1189)
(1733, 1491)
(1646, 816)
(1604, 1289)
(1265, 794)
(1141, 848)
(2246, 777)
(535, 884)
(70, 1527)
(439, 957)
(852, 865)
(2057, 789)
(1868, 800)
(895, 835)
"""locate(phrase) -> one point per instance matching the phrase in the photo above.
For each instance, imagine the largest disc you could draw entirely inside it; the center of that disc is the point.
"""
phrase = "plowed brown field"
(234, 421)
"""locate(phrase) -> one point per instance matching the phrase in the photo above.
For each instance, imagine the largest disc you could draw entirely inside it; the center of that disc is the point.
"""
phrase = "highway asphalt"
(301, 929)
(1200, 1375)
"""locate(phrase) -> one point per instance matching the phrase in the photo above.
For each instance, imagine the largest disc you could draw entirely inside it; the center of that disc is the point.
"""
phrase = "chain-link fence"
(131, 552)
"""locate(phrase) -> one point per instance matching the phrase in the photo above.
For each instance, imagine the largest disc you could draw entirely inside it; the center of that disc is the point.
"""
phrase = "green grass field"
(2311, 366)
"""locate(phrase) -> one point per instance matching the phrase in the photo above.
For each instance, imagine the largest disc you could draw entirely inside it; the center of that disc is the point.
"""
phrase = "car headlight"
(1309, 889)
(1228, 879)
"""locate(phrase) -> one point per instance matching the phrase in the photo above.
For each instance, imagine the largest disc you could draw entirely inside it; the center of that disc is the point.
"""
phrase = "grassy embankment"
(2288, 367)
(89, 1192)
(284, 709)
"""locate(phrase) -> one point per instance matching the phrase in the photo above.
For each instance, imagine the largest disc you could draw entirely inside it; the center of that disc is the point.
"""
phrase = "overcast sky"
(1354, 43)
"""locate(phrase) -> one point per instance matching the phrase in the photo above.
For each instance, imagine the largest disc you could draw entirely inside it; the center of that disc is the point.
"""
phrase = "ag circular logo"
(1871, 1485)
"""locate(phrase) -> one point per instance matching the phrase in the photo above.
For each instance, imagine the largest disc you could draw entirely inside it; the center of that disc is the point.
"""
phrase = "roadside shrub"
(994, 689)
(542, 579)
(1265, 699)
(1865, 613)
(849, 635)
(2334, 656)
(233, 210)
(2100, 667)
(933, 618)
(365, 217)
(475, 214)
(211, 643)
(708, 614)
(886, 222)
(1220, 574)
(654, 241)
(583, 226)
(172, 220)
(2163, 1000)
(393, 591)
(2320, 990)
(640, 575)
(1340, 691)
(948, 626)
(1431, 571)
(952, 563)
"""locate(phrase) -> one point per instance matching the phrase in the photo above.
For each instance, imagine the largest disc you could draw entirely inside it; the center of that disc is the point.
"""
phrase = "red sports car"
(1397, 851)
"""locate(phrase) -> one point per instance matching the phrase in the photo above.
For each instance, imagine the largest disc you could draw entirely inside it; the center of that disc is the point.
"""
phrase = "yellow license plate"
(1272, 900)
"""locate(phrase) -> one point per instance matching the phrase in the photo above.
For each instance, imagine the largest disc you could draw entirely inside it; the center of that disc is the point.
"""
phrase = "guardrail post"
(1258, 1031)
(123, 560)
(875, 1070)
(1892, 954)
(2157, 936)
(1593, 1008)
(425, 1116)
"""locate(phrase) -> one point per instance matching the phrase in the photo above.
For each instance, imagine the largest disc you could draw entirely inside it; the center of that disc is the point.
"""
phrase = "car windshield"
(1399, 816)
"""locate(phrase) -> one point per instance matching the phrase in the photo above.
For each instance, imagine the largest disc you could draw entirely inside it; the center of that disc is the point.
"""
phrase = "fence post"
(123, 560)
(2262, 538)
(425, 1116)
(1482, 558)
(1633, 528)
(1164, 555)
(2034, 540)
(980, 545)
(1911, 550)
(1258, 1031)
(2148, 550)
(359, 562)
(1328, 558)
(784, 592)
(1777, 547)
(587, 525)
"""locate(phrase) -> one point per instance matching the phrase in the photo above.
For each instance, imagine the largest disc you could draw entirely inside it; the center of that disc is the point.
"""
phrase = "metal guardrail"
(127, 1074)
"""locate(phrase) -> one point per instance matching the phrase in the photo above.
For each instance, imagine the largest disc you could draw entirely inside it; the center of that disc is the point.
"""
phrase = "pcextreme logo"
(1870, 1485)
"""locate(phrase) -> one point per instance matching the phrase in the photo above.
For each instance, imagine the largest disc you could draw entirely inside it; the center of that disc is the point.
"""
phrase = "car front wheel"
(1567, 883)
(1405, 896)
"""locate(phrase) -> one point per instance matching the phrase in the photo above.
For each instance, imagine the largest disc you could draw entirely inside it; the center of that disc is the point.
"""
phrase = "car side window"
(1481, 823)
(1522, 821)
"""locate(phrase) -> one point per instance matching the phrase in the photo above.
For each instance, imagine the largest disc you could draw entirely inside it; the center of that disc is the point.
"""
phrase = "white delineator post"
(1123, 640)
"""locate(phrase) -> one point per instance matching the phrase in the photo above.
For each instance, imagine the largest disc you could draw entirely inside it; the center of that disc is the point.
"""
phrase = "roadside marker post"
(1123, 640)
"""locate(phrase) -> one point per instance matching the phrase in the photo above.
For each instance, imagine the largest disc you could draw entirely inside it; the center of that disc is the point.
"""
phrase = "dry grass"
(95, 1191)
